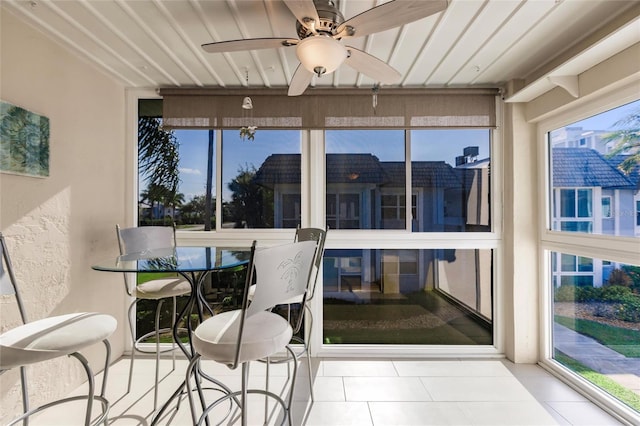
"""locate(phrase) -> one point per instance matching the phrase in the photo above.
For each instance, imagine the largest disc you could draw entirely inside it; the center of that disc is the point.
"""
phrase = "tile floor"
(366, 392)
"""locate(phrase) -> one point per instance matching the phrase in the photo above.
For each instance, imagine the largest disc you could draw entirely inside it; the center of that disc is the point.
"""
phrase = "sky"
(606, 120)
(387, 145)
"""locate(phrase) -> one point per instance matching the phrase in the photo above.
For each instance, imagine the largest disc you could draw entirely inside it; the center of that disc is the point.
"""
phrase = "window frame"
(617, 249)
(313, 194)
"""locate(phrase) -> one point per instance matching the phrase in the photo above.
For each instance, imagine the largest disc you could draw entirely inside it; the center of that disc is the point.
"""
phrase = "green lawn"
(613, 388)
(621, 340)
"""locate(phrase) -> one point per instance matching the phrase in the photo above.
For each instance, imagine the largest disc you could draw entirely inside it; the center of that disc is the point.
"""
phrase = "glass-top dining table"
(194, 263)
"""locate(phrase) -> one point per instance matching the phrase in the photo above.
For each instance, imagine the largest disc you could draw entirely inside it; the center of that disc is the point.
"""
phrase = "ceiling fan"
(321, 29)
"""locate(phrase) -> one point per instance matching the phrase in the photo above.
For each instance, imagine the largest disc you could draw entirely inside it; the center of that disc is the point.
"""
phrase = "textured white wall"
(57, 226)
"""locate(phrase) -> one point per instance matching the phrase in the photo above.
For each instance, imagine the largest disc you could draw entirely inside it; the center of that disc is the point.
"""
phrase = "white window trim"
(605, 247)
(313, 194)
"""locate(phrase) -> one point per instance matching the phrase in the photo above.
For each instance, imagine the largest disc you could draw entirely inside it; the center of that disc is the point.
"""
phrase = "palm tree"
(155, 195)
(174, 200)
(250, 202)
(627, 139)
(158, 156)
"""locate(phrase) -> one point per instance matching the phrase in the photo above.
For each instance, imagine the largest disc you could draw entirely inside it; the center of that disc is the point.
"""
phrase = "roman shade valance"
(330, 108)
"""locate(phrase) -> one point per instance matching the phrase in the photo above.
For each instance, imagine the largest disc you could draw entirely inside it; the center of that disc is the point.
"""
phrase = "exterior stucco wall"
(57, 226)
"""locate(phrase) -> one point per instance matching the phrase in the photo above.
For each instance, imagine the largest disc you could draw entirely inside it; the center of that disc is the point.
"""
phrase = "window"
(291, 210)
(371, 188)
(343, 211)
(261, 179)
(430, 297)
(361, 166)
(606, 207)
(593, 191)
(575, 203)
(585, 178)
(450, 170)
(450, 184)
(394, 208)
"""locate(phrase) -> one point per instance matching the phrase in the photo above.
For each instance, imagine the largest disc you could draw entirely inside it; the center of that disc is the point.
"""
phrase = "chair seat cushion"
(265, 334)
(163, 287)
(52, 337)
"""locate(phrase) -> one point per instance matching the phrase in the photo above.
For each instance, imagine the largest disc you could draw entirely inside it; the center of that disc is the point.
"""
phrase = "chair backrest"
(313, 234)
(8, 283)
(138, 239)
(283, 272)
(144, 238)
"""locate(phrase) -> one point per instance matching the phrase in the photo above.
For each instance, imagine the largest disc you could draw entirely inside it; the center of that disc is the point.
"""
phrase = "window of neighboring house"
(575, 210)
(574, 270)
(637, 213)
(291, 210)
(606, 207)
(394, 207)
(343, 211)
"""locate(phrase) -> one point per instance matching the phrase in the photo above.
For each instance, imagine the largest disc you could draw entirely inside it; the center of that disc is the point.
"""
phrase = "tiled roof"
(361, 168)
(582, 167)
(354, 168)
(279, 168)
(633, 175)
(423, 174)
(341, 168)
(572, 167)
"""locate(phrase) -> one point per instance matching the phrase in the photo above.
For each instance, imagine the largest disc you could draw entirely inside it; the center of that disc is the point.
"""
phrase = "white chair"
(254, 332)
(138, 240)
(49, 338)
(304, 234)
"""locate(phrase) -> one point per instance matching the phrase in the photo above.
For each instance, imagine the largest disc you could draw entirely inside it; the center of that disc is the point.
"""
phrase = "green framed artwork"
(24, 141)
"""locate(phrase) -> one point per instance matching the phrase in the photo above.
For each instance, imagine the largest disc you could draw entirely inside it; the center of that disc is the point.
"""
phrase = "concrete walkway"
(589, 352)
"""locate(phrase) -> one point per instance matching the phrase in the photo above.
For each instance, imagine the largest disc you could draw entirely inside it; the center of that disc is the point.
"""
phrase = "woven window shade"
(330, 109)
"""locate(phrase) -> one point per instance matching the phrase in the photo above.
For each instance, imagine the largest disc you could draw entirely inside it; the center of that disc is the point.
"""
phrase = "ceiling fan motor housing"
(329, 16)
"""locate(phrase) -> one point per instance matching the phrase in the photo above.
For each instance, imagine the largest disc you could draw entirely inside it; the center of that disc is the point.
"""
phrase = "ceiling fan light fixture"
(321, 54)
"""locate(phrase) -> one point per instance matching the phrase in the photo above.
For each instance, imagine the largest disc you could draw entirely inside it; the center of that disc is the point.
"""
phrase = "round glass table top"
(178, 259)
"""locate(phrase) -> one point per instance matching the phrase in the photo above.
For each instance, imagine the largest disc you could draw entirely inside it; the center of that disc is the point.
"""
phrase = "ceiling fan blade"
(372, 66)
(303, 9)
(390, 15)
(248, 44)
(300, 81)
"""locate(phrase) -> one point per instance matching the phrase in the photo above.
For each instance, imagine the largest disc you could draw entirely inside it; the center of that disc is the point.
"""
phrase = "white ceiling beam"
(127, 40)
(162, 45)
(617, 35)
(193, 47)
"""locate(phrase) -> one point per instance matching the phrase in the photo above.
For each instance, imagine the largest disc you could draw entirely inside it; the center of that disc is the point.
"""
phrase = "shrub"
(615, 293)
(564, 293)
(588, 294)
(628, 309)
(618, 277)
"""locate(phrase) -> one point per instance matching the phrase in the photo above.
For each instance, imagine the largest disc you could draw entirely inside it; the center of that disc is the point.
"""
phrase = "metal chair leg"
(157, 325)
(133, 347)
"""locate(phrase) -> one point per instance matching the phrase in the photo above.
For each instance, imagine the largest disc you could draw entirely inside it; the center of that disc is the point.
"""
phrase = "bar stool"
(49, 338)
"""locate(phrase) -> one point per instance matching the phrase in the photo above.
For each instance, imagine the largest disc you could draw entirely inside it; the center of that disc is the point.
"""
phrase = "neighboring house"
(363, 192)
(592, 195)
